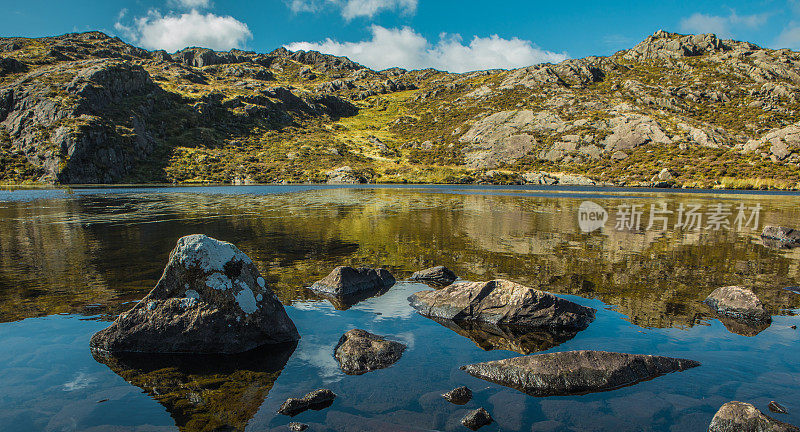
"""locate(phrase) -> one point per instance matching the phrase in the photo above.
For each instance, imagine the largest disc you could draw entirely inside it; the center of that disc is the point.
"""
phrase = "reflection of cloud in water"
(320, 306)
(393, 304)
(407, 338)
(81, 381)
(321, 357)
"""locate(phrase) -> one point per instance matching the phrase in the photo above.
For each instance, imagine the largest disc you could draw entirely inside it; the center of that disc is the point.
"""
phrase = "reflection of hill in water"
(114, 247)
(204, 392)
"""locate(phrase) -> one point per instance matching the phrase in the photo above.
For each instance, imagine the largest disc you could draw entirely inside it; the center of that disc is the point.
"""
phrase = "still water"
(70, 260)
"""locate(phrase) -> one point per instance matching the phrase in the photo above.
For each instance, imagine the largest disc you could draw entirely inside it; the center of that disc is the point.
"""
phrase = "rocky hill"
(675, 110)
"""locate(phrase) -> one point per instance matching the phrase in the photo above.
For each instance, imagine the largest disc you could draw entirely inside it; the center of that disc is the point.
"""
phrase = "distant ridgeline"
(691, 111)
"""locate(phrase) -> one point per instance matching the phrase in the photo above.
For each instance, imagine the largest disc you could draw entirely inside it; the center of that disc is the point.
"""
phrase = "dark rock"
(345, 302)
(739, 303)
(476, 419)
(502, 302)
(785, 235)
(459, 396)
(346, 281)
(575, 372)
(359, 352)
(744, 417)
(210, 299)
(777, 408)
(438, 276)
(297, 427)
(316, 400)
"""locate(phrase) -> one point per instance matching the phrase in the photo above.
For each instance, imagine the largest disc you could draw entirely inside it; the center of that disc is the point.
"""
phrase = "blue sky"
(446, 34)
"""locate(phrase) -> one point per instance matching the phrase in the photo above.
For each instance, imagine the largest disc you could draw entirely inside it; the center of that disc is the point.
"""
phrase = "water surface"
(70, 260)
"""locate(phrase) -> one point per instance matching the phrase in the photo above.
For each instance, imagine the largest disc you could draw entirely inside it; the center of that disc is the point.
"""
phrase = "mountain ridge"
(673, 111)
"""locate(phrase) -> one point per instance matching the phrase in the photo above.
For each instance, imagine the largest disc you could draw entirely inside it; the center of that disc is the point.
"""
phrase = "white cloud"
(789, 37)
(173, 32)
(190, 4)
(722, 26)
(354, 8)
(406, 48)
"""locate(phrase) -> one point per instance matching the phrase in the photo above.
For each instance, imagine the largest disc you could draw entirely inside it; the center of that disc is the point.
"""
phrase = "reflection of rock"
(502, 302)
(521, 339)
(344, 303)
(476, 419)
(359, 352)
(348, 281)
(458, 396)
(742, 327)
(210, 299)
(204, 392)
(575, 372)
(777, 408)
(439, 276)
(743, 417)
(738, 303)
(316, 400)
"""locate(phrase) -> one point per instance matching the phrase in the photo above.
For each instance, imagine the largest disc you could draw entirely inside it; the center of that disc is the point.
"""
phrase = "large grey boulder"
(743, 417)
(438, 276)
(359, 352)
(502, 302)
(788, 236)
(575, 372)
(739, 303)
(349, 281)
(210, 299)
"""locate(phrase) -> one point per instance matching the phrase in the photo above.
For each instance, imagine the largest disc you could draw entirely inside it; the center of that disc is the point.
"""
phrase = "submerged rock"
(502, 302)
(777, 408)
(575, 372)
(349, 281)
(210, 299)
(439, 276)
(359, 352)
(459, 396)
(739, 303)
(744, 417)
(476, 419)
(316, 400)
(297, 427)
(788, 236)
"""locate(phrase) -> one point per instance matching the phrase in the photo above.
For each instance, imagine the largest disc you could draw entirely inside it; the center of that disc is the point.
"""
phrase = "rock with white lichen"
(210, 299)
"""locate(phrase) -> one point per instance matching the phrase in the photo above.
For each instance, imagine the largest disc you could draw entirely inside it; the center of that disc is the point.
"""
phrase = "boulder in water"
(359, 352)
(349, 281)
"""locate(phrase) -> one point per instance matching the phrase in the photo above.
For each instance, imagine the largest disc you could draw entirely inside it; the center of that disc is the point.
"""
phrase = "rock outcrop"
(743, 417)
(359, 352)
(459, 396)
(210, 299)
(316, 400)
(575, 372)
(784, 235)
(739, 303)
(502, 302)
(345, 175)
(477, 419)
(439, 276)
(348, 281)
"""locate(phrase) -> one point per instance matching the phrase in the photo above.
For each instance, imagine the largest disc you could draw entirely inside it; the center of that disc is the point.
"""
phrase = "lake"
(73, 259)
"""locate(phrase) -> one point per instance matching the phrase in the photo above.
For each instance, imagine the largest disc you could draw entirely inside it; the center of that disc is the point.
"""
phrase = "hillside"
(675, 110)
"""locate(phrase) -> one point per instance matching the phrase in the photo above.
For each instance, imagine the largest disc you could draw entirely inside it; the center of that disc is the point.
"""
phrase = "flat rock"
(744, 417)
(777, 408)
(210, 299)
(739, 303)
(317, 399)
(575, 372)
(438, 276)
(785, 235)
(359, 352)
(459, 396)
(502, 302)
(348, 281)
(476, 419)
